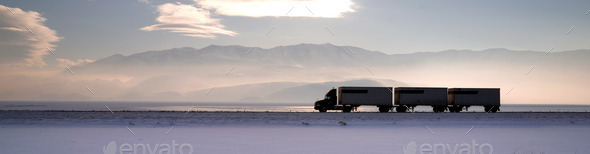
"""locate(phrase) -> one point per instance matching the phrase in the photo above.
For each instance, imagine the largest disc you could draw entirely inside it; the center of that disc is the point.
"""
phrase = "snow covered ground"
(283, 132)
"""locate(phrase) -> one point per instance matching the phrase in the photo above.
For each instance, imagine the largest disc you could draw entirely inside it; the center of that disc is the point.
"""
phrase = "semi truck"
(349, 98)
(407, 98)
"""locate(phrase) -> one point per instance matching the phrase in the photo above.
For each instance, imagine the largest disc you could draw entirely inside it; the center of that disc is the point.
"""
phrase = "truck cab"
(329, 100)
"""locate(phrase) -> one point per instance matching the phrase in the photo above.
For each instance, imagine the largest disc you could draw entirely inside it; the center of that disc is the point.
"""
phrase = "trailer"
(459, 98)
(349, 98)
(410, 97)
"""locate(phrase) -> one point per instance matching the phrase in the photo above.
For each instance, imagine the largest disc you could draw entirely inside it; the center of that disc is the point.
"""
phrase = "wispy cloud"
(188, 20)
(279, 8)
(145, 1)
(25, 38)
(67, 62)
(196, 21)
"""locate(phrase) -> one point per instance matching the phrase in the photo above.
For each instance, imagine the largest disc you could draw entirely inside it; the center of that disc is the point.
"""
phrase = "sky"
(94, 29)
(38, 39)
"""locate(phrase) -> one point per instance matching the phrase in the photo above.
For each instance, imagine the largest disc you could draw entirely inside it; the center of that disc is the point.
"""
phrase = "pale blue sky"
(97, 29)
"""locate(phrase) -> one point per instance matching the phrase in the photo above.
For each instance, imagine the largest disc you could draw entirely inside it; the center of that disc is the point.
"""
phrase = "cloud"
(18, 45)
(279, 8)
(67, 62)
(197, 22)
(188, 20)
(145, 1)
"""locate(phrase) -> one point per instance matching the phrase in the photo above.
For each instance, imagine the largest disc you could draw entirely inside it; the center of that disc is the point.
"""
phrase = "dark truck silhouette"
(407, 98)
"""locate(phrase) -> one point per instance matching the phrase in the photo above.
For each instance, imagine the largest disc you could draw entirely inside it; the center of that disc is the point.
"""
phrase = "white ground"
(91, 132)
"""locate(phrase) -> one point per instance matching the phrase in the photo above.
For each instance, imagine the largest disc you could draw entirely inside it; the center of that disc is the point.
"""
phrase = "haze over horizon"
(302, 73)
(203, 50)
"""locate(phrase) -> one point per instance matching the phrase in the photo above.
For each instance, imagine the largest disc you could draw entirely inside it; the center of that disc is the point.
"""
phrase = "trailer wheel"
(455, 109)
(495, 109)
(347, 109)
(438, 109)
(384, 109)
(401, 109)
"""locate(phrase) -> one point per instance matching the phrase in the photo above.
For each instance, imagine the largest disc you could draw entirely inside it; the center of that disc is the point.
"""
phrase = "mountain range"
(304, 72)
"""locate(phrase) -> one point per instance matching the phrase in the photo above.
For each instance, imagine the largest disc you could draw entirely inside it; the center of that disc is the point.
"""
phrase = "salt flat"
(284, 132)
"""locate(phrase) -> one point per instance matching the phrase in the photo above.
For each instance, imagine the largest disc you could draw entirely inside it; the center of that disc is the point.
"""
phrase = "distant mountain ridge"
(323, 56)
(302, 54)
(314, 54)
(301, 73)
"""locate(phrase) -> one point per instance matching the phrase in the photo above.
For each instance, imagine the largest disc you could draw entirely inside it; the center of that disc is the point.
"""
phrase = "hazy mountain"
(322, 55)
(310, 55)
(303, 72)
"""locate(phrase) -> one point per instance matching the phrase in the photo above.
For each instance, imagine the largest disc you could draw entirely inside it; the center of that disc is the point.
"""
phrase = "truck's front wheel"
(323, 110)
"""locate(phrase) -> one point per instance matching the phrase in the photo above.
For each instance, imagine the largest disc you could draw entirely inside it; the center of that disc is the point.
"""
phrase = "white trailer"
(380, 96)
(410, 97)
(460, 98)
(347, 98)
